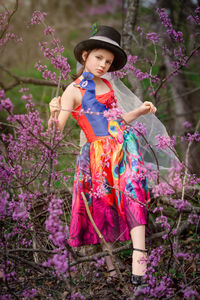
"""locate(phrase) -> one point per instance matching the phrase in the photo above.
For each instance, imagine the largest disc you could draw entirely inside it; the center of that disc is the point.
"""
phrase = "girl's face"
(98, 61)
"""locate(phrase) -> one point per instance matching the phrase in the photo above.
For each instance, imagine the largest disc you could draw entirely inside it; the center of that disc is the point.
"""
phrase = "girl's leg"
(109, 263)
(138, 239)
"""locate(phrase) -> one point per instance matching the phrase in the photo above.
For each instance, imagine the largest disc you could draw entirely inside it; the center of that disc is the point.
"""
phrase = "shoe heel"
(136, 279)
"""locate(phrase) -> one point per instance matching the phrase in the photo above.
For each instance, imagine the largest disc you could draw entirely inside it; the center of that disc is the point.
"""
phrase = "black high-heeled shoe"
(137, 280)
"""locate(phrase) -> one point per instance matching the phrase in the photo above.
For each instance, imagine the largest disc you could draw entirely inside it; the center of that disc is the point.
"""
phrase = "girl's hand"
(148, 107)
(55, 106)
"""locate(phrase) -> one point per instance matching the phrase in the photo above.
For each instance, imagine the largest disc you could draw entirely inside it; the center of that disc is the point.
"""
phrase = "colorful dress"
(109, 172)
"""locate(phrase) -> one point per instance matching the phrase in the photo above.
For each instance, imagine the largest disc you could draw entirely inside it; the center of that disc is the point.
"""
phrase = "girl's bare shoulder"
(71, 90)
(71, 95)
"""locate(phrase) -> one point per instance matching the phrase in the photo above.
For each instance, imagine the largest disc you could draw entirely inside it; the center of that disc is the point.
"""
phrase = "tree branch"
(27, 80)
(175, 71)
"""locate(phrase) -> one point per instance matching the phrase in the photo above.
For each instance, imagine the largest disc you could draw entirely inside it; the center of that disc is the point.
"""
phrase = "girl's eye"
(98, 57)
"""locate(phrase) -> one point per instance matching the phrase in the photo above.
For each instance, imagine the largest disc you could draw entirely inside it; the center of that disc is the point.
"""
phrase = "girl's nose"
(103, 63)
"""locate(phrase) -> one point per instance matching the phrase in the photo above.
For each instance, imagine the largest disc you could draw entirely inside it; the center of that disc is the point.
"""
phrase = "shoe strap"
(141, 250)
(111, 270)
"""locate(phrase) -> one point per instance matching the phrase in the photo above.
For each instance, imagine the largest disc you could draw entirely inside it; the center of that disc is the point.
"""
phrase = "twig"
(181, 290)
(185, 173)
(25, 261)
(157, 164)
(9, 19)
(101, 237)
(175, 71)
(128, 246)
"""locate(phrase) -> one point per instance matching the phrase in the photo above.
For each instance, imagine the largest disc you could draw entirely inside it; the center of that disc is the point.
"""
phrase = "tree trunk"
(127, 37)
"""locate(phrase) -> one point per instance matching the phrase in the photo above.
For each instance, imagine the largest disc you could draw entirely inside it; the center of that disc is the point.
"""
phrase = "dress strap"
(107, 83)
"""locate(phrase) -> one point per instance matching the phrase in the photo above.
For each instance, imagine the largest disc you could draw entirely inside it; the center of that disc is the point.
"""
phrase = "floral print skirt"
(110, 172)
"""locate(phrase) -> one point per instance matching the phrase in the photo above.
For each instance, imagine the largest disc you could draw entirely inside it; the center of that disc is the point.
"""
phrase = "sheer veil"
(154, 158)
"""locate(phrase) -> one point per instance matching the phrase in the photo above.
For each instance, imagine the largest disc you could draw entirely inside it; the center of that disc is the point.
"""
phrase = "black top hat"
(104, 37)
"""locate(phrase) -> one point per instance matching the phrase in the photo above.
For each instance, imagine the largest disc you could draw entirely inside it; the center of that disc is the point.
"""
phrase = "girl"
(109, 167)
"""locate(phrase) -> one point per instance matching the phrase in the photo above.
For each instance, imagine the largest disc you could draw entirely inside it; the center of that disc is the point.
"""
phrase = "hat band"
(104, 39)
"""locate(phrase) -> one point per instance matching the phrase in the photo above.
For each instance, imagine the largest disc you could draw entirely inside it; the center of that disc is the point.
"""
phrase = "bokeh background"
(178, 101)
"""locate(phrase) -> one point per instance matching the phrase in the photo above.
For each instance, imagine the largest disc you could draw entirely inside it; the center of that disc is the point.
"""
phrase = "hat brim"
(120, 57)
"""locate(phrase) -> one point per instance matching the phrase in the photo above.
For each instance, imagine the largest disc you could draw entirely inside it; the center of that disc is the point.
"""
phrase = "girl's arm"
(61, 107)
(145, 108)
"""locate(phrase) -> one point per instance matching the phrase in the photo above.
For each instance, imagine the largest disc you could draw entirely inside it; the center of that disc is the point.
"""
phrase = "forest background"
(37, 168)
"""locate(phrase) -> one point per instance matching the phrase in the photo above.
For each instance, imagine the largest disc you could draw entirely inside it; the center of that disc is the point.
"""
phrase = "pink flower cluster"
(29, 294)
(4, 196)
(163, 142)
(58, 234)
(5, 103)
(165, 20)
(162, 189)
(46, 73)
(153, 36)
(193, 137)
(180, 204)
(112, 114)
(77, 296)
(139, 128)
(8, 37)
(130, 68)
(195, 18)
(38, 17)
(175, 175)
(57, 60)
(54, 54)
(3, 20)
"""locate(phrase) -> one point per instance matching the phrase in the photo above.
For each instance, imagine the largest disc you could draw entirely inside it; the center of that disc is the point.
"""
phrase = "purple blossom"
(49, 31)
(52, 52)
(175, 173)
(190, 293)
(178, 52)
(77, 296)
(165, 20)
(20, 211)
(180, 204)
(163, 221)
(6, 104)
(193, 137)
(164, 142)
(112, 114)
(23, 90)
(132, 59)
(130, 68)
(54, 225)
(38, 17)
(29, 294)
(139, 128)
(154, 78)
(193, 218)
(195, 18)
(187, 124)
(8, 37)
(153, 36)
(4, 196)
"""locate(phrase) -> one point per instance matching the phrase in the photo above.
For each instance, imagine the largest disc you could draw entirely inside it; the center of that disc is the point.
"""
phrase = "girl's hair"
(75, 76)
